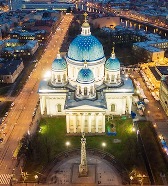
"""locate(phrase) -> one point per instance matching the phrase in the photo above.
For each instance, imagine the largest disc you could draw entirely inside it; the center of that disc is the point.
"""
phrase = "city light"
(133, 129)
(103, 145)
(47, 75)
(67, 144)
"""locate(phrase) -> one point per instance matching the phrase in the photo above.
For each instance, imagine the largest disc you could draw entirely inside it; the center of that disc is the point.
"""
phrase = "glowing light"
(126, 75)
(67, 143)
(137, 91)
(155, 125)
(131, 178)
(133, 129)
(160, 136)
(103, 144)
(47, 74)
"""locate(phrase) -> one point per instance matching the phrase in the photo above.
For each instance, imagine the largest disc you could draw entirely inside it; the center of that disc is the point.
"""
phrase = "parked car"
(1, 140)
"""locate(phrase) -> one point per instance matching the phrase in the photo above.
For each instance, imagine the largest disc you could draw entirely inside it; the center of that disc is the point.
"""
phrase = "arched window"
(59, 107)
(80, 90)
(85, 91)
(59, 78)
(97, 72)
(64, 77)
(113, 108)
(107, 77)
(112, 78)
(91, 90)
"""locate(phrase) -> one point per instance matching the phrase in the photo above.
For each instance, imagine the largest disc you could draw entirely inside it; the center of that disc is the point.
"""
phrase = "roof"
(59, 64)
(126, 87)
(99, 102)
(85, 48)
(155, 73)
(166, 80)
(85, 75)
(158, 71)
(8, 67)
(112, 64)
(45, 88)
(71, 102)
(163, 69)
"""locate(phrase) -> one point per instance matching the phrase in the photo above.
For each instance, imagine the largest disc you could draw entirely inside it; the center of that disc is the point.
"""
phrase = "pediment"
(86, 108)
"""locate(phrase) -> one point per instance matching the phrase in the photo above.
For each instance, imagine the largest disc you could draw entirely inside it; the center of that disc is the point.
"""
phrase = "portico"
(91, 121)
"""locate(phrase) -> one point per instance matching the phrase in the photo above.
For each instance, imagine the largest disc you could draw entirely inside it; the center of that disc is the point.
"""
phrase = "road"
(127, 14)
(20, 115)
(154, 111)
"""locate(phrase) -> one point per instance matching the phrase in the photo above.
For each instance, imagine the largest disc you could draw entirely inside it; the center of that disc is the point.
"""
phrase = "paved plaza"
(100, 172)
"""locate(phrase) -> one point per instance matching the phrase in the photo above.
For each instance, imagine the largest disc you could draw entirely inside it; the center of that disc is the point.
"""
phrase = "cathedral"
(85, 86)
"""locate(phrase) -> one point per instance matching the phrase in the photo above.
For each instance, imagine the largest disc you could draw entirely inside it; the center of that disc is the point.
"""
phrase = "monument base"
(83, 171)
(90, 178)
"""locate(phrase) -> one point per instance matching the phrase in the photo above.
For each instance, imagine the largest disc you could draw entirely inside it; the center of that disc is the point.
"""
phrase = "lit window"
(112, 107)
(59, 107)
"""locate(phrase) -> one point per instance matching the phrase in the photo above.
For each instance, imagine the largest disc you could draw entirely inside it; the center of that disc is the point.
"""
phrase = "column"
(97, 117)
(67, 122)
(82, 122)
(48, 105)
(146, 28)
(90, 123)
(74, 122)
(61, 77)
(103, 122)
(139, 26)
(124, 107)
(42, 104)
(129, 103)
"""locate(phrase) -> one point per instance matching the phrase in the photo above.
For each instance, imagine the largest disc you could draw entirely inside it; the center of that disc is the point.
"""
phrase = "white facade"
(85, 87)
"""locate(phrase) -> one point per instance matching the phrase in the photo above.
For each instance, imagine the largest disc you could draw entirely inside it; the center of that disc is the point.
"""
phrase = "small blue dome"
(85, 48)
(85, 75)
(112, 64)
(59, 64)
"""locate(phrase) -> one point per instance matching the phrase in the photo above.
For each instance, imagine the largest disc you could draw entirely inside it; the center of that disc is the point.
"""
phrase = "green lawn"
(52, 138)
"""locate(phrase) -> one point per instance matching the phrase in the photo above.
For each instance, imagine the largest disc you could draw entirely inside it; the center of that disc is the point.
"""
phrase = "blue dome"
(59, 64)
(85, 75)
(85, 48)
(112, 64)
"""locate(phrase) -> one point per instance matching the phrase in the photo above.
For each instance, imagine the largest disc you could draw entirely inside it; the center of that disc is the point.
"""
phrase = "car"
(1, 140)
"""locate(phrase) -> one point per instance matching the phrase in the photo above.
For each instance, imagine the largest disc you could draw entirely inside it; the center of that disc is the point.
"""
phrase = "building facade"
(85, 87)
(10, 70)
(163, 94)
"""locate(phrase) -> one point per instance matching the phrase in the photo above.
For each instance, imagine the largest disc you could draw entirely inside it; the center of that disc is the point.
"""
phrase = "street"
(20, 115)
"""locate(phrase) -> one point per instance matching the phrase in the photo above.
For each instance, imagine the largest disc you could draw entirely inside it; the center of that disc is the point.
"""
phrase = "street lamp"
(148, 114)
(103, 145)
(67, 144)
(36, 178)
(131, 178)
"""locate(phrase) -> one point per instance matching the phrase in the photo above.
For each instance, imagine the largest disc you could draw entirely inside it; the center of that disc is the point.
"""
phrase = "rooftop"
(158, 71)
(8, 67)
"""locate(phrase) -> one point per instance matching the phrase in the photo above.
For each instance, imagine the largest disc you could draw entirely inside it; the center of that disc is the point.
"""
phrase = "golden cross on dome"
(113, 50)
(85, 63)
(85, 15)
